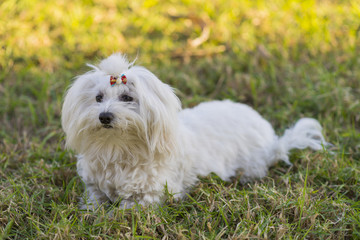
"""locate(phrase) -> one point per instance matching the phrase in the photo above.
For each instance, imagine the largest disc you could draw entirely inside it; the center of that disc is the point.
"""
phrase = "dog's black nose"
(106, 117)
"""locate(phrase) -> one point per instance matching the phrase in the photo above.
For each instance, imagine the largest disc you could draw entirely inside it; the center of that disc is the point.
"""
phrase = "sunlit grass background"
(286, 58)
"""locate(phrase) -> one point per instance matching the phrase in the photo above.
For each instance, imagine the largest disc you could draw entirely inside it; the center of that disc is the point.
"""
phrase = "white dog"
(133, 140)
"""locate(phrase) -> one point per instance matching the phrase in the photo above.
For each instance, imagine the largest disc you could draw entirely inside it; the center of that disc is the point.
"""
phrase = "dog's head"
(141, 108)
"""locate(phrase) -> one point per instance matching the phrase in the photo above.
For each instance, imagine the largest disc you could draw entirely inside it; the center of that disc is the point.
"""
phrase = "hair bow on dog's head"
(118, 80)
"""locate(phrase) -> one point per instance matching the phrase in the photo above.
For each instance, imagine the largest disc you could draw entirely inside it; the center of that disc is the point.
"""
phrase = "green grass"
(286, 58)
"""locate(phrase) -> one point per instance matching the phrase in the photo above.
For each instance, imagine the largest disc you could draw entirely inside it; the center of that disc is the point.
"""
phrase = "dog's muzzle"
(106, 118)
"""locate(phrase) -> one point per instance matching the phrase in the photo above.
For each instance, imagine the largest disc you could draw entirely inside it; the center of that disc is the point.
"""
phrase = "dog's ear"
(73, 116)
(69, 110)
(159, 108)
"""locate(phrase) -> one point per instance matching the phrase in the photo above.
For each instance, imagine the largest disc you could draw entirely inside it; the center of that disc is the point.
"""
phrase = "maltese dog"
(134, 141)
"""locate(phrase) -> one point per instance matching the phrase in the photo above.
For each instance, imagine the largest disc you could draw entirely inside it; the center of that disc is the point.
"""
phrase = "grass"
(287, 59)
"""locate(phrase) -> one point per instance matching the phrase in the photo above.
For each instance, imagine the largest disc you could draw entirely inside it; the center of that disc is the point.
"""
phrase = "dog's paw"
(127, 204)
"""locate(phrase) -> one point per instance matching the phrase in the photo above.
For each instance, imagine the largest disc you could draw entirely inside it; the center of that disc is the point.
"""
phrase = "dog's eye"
(99, 98)
(126, 98)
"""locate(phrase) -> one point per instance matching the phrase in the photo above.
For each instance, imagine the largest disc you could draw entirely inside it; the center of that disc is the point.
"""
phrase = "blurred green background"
(244, 50)
(286, 58)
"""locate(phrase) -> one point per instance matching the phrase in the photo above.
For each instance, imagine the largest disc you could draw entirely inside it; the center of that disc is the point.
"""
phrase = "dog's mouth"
(107, 126)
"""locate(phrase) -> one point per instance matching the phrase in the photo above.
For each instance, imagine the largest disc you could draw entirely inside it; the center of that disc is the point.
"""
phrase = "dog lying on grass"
(133, 139)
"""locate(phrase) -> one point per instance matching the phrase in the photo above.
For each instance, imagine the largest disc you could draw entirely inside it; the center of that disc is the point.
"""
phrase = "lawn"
(288, 59)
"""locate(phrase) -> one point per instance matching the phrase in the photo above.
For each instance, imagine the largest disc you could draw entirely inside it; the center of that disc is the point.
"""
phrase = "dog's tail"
(306, 133)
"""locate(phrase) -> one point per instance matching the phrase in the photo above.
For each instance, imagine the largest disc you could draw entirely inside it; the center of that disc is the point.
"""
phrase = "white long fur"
(153, 143)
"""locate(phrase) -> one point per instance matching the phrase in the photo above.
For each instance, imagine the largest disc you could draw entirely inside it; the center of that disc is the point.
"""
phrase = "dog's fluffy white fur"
(151, 144)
